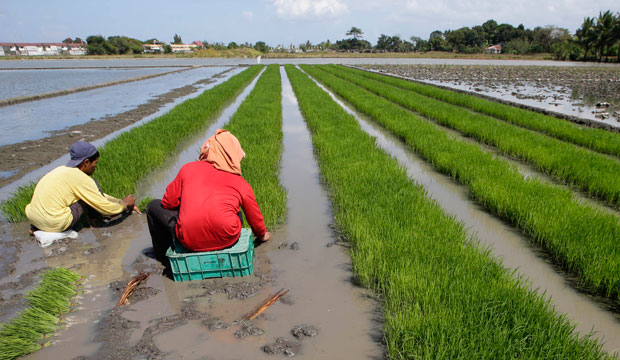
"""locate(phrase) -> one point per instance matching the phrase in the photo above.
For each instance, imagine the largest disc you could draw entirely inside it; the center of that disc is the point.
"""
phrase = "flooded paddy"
(17, 83)
(589, 314)
(571, 91)
(200, 320)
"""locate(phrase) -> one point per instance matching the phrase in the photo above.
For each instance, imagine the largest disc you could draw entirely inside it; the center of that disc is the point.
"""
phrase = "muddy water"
(200, 320)
(103, 255)
(505, 242)
(298, 259)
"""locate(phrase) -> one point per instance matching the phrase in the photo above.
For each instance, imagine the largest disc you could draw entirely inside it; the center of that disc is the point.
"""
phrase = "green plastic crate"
(235, 261)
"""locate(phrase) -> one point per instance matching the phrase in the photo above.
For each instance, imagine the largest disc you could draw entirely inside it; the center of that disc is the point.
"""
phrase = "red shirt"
(208, 200)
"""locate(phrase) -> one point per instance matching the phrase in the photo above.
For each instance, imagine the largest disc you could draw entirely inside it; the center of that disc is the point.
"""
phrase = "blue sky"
(276, 21)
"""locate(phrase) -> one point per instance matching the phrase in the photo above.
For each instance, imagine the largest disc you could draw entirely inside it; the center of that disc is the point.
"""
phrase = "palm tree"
(586, 36)
(616, 32)
(604, 31)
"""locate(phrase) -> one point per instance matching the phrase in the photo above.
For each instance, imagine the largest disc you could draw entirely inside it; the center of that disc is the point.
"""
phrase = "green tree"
(605, 33)
(68, 41)
(177, 40)
(261, 46)
(96, 45)
(232, 45)
(355, 32)
(437, 41)
(586, 36)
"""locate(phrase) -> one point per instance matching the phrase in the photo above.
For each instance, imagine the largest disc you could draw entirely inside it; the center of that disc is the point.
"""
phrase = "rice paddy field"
(409, 222)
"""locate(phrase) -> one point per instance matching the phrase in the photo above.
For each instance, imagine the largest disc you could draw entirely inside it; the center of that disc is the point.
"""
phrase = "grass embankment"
(258, 126)
(599, 140)
(578, 237)
(444, 297)
(596, 174)
(133, 154)
(47, 303)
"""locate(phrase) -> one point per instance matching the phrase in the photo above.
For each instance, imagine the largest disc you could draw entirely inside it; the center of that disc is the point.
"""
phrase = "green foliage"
(133, 154)
(444, 297)
(355, 32)
(261, 46)
(177, 40)
(595, 174)
(578, 237)
(567, 50)
(47, 302)
(258, 126)
(599, 140)
(114, 45)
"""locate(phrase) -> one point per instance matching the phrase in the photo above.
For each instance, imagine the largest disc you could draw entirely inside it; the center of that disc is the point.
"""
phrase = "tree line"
(597, 39)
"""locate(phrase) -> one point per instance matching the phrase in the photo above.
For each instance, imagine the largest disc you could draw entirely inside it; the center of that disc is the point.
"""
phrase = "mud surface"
(21, 158)
(580, 87)
(323, 316)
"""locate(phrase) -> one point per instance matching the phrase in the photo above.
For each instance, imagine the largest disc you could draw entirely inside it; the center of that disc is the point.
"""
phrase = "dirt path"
(21, 158)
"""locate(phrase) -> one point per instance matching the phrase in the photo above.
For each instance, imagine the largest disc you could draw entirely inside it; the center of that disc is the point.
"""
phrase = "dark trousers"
(162, 223)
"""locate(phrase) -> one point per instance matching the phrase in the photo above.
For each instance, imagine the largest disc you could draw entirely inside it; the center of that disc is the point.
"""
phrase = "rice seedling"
(258, 126)
(595, 174)
(444, 296)
(596, 139)
(133, 154)
(581, 239)
(47, 302)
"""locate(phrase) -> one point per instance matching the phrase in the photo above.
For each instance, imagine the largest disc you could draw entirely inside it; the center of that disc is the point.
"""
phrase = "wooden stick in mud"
(272, 299)
(131, 286)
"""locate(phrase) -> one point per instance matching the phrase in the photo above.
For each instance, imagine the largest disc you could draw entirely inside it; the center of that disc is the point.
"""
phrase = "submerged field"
(442, 294)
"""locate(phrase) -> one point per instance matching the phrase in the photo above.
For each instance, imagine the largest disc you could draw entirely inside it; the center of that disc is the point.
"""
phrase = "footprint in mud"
(283, 346)
(306, 330)
(215, 324)
(248, 329)
(284, 245)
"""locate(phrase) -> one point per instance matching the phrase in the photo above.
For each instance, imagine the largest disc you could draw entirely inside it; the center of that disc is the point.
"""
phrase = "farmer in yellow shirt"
(65, 193)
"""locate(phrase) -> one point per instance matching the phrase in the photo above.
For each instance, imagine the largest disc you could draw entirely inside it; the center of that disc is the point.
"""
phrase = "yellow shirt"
(57, 190)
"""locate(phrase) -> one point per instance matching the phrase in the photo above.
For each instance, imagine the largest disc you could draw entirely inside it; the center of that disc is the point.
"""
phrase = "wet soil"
(21, 158)
(323, 316)
(580, 86)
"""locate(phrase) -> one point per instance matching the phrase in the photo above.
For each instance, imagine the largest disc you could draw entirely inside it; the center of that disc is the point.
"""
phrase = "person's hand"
(130, 203)
(265, 237)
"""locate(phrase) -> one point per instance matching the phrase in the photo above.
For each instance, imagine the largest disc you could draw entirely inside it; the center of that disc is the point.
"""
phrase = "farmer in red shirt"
(202, 205)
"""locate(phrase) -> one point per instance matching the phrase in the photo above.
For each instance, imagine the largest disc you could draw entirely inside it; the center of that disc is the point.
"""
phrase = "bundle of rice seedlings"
(47, 302)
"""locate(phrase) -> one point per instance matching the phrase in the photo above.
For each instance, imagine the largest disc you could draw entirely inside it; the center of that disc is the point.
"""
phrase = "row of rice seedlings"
(47, 302)
(258, 126)
(444, 296)
(129, 157)
(596, 174)
(597, 139)
(578, 237)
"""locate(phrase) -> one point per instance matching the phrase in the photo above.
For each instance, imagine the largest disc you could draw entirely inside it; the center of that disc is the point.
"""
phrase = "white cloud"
(296, 9)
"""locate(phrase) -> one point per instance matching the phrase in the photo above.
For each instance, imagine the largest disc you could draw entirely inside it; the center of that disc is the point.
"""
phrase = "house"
(182, 48)
(198, 44)
(153, 48)
(495, 49)
(40, 49)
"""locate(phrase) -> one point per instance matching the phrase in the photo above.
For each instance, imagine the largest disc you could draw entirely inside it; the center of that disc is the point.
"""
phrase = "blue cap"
(79, 151)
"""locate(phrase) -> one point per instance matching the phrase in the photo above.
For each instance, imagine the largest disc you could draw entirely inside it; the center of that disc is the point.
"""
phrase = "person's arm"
(253, 214)
(172, 196)
(87, 191)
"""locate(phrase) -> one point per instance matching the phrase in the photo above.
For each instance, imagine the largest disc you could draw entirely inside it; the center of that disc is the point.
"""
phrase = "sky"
(277, 22)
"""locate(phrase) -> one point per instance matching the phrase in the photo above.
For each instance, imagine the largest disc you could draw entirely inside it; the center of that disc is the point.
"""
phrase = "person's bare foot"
(32, 230)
